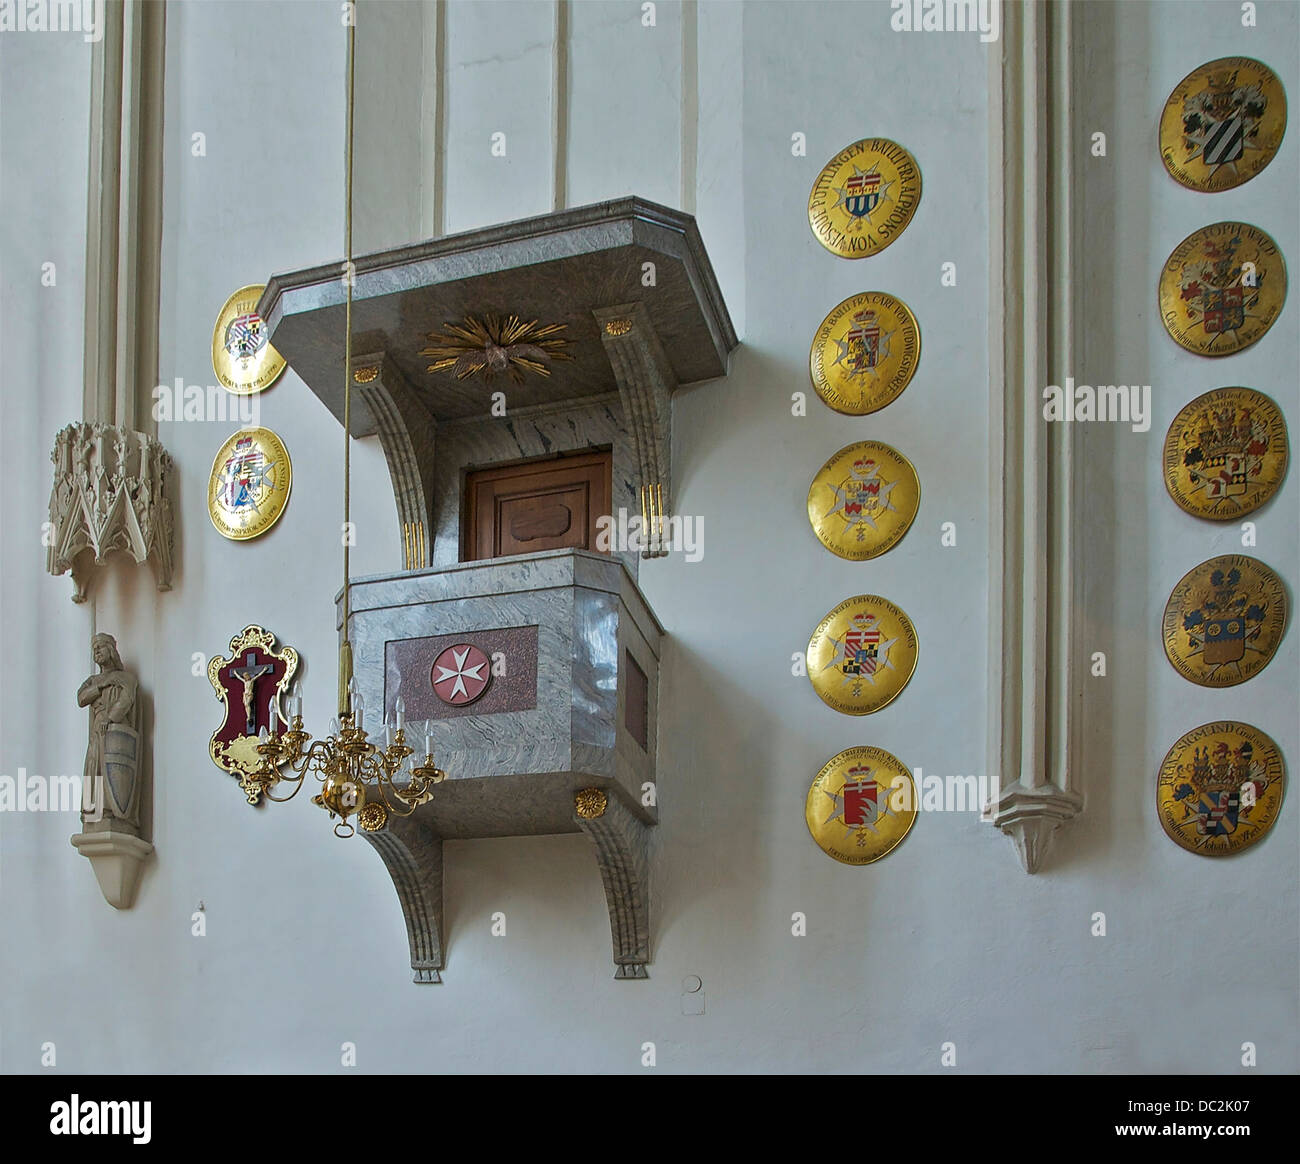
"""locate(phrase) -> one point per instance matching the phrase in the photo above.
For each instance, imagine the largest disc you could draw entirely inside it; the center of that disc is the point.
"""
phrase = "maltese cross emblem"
(461, 674)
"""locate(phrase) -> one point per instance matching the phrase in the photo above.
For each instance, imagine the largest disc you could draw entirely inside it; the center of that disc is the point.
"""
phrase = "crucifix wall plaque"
(248, 684)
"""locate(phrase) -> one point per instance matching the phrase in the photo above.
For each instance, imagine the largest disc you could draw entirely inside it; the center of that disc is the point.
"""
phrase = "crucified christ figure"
(248, 674)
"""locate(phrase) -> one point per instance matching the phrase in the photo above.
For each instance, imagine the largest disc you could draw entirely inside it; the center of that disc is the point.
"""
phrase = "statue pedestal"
(117, 859)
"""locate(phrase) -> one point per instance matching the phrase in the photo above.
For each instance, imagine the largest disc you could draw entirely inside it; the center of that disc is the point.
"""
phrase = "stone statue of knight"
(110, 787)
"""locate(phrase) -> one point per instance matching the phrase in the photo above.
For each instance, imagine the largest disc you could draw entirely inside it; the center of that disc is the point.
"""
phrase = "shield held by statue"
(122, 769)
(249, 685)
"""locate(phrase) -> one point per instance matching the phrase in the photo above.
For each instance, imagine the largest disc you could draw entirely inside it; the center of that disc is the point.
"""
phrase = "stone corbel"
(407, 431)
(621, 842)
(412, 854)
(1033, 687)
(118, 861)
(645, 382)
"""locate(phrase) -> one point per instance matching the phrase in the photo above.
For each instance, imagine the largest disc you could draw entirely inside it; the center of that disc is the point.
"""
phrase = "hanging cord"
(345, 648)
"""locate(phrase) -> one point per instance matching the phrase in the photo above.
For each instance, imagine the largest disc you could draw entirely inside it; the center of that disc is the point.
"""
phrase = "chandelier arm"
(313, 759)
(301, 763)
(297, 787)
(388, 804)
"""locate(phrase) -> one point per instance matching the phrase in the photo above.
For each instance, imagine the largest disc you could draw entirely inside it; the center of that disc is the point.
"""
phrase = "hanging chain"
(345, 648)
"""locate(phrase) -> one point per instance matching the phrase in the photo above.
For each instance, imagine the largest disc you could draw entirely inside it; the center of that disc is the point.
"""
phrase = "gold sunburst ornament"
(496, 344)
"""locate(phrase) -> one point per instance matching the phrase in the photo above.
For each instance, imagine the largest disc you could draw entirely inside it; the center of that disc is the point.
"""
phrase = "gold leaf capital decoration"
(496, 344)
(590, 803)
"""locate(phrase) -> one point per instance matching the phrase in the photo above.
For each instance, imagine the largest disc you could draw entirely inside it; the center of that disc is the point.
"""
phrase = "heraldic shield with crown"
(1220, 788)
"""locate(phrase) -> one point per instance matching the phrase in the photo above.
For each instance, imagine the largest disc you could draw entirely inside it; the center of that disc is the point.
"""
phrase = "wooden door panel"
(540, 519)
(547, 505)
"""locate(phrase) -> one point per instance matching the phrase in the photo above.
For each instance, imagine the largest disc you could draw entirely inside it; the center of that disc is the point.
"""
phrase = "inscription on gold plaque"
(1224, 620)
(1222, 124)
(1225, 453)
(1222, 288)
(861, 805)
(863, 500)
(249, 485)
(862, 654)
(242, 355)
(864, 198)
(865, 353)
(1220, 788)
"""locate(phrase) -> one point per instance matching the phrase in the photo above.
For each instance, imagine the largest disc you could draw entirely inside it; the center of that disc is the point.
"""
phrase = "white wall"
(1178, 921)
(931, 945)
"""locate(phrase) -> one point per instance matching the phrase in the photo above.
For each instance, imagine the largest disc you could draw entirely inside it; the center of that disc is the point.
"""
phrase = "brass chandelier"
(346, 762)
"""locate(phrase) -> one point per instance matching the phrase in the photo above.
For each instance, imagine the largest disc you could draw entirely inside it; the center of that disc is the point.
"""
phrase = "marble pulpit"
(536, 673)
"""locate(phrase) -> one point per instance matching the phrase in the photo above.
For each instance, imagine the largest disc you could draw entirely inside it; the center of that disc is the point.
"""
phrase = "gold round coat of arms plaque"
(861, 805)
(1225, 453)
(1221, 288)
(1220, 788)
(1224, 620)
(249, 485)
(864, 198)
(862, 654)
(242, 355)
(1222, 124)
(865, 353)
(863, 500)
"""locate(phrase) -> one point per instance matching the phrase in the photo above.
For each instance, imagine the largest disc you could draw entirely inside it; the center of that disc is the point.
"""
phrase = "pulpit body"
(519, 379)
(559, 691)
